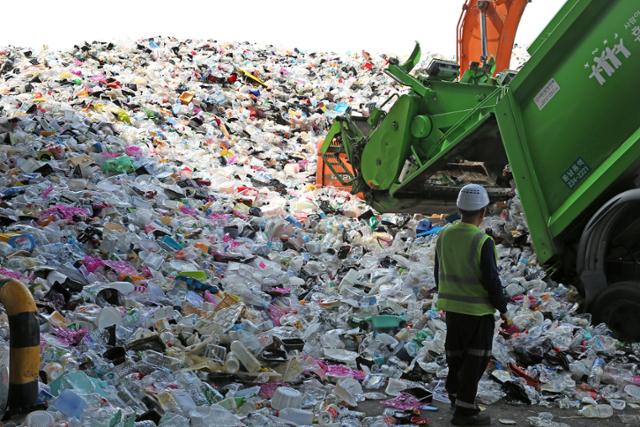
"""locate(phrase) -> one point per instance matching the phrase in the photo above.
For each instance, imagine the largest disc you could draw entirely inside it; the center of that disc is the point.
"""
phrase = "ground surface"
(517, 413)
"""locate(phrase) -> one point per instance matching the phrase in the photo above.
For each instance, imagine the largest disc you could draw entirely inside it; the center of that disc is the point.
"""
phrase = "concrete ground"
(518, 413)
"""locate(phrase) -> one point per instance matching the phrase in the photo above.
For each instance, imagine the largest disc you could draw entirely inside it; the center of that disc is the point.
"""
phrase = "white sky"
(336, 25)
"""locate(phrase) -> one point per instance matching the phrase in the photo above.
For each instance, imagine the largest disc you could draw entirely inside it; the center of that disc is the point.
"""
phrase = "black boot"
(471, 420)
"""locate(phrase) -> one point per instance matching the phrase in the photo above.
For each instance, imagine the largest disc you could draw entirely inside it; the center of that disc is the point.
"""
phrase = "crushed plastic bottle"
(545, 419)
(597, 370)
(596, 411)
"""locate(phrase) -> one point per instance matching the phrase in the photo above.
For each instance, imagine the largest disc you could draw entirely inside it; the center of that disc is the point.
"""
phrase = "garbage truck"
(563, 132)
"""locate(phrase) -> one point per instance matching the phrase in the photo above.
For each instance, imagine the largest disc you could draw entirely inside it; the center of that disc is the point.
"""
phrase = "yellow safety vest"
(459, 288)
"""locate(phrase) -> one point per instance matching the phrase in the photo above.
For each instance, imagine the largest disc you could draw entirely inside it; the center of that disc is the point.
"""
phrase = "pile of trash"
(158, 201)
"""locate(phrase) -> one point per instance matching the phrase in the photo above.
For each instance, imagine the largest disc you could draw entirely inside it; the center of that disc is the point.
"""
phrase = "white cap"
(472, 197)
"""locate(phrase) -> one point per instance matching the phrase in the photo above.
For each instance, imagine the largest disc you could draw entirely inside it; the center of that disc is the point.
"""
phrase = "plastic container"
(632, 390)
(298, 416)
(109, 316)
(245, 357)
(70, 404)
(349, 391)
(286, 397)
(395, 386)
(40, 419)
(216, 353)
(617, 404)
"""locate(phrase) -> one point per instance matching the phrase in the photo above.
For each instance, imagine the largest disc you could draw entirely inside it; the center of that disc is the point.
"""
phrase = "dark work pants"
(468, 347)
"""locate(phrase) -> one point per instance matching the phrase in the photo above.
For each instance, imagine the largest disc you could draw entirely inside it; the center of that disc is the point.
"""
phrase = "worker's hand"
(506, 320)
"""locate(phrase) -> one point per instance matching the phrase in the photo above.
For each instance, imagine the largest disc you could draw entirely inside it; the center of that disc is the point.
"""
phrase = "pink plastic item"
(133, 151)
(64, 212)
(47, 191)
(276, 313)
(344, 371)
(189, 211)
(403, 402)
(13, 274)
(121, 267)
(268, 389)
(70, 336)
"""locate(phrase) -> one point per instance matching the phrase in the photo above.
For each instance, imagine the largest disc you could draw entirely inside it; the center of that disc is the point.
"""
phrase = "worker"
(470, 292)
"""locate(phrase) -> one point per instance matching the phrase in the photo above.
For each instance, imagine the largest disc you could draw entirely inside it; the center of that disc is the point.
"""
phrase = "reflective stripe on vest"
(459, 251)
(464, 298)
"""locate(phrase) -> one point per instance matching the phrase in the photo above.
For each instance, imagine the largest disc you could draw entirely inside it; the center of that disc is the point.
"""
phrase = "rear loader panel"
(570, 120)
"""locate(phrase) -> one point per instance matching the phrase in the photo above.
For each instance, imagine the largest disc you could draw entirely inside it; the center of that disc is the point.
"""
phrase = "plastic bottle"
(249, 340)
(597, 369)
(245, 357)
(190, 382)
(596, 411)
(231, 364)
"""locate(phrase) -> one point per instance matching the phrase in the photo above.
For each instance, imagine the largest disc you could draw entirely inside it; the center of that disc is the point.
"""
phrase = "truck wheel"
(607, 265)
(619, 307)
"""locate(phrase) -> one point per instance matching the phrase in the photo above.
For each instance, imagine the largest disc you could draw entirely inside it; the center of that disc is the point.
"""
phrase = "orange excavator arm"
(497, 20)
(502, 18)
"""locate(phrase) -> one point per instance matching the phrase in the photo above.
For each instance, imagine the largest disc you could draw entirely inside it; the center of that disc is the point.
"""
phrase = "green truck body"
(567, 125)
(570, 129)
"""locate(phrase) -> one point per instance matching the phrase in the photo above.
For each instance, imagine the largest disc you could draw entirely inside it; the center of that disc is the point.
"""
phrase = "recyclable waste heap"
(157, 200)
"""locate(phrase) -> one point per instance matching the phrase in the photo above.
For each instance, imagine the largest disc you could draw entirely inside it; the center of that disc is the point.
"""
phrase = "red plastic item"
(420, 420)
(517, 370)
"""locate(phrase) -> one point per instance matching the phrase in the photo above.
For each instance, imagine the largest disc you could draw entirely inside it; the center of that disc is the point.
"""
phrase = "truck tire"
(619, 307)
(607, 281)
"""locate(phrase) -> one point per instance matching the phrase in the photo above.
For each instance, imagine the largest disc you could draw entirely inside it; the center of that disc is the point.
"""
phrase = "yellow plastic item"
(123, 116)
(227, 301)
(252, 78)
(82, 93)
(203, 247)
(4, 237)
(186, 97)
